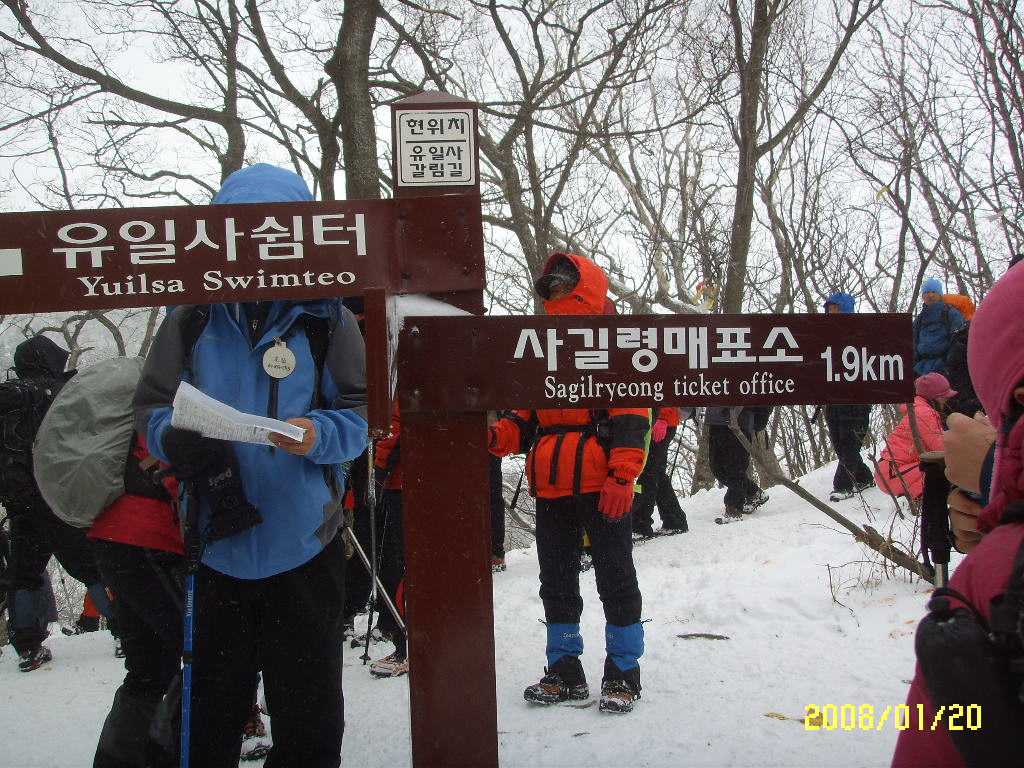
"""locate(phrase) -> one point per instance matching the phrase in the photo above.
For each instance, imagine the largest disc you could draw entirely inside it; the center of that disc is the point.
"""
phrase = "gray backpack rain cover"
(81, 449)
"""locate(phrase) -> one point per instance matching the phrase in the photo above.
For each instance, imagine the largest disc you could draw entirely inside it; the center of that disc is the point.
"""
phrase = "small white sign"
(11, 263)
(436, 148)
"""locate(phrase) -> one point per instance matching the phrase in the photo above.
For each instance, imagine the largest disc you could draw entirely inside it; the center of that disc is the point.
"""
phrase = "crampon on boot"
(392, 665)
(34, 659)
(619, 689)
(563, 681)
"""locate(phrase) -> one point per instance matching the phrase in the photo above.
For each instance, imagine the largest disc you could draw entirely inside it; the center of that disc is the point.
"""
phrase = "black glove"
(213, 467)
(230, 511)
(189, 453)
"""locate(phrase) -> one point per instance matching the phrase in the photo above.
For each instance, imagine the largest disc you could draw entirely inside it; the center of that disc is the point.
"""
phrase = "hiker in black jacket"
(730, 461)
(36, 533)
(847, 427)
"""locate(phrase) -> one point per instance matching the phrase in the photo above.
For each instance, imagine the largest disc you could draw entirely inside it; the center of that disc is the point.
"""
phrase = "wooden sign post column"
(445, 476)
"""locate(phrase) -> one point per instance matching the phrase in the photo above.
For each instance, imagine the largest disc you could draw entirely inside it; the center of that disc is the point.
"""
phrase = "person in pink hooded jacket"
(997, 368)
(898, 472)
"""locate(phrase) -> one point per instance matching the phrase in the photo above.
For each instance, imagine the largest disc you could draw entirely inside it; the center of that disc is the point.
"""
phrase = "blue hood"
(262, 183)
(842, 300)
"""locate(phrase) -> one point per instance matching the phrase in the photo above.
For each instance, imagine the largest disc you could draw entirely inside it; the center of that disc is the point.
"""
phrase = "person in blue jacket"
(933, 329)
(269, 592)
(847, 427)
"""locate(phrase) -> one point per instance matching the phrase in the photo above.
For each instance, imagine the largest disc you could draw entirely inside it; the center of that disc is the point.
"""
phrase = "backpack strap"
(194, 321)
(318, 336)
(1006, 612)
(142, 475)
(599, 427)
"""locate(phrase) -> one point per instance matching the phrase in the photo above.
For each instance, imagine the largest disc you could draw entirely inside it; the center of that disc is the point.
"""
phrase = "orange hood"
(588, 297)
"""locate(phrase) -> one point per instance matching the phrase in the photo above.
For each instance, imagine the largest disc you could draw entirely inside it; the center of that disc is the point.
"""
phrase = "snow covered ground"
(808, 619)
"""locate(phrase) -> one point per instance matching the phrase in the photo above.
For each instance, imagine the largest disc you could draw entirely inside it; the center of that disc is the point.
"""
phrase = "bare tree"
(758, 73)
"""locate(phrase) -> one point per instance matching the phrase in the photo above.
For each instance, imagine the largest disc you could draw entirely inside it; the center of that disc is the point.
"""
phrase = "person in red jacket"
(997, 369)
(899, 473)
(581, 467)
(139, 552)
(140, 555)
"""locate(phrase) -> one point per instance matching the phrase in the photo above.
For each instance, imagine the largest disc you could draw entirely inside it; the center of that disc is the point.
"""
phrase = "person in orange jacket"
(581, 467)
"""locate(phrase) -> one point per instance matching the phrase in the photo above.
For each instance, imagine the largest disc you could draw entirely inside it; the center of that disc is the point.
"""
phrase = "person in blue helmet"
(847, 428)
(269, 593)
(934, 327)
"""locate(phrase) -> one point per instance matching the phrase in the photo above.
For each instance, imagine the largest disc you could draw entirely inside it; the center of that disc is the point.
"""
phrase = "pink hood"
(995, 356)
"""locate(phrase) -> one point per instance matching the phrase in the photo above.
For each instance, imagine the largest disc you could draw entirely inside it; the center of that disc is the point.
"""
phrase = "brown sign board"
(142, 257)
(598, 361)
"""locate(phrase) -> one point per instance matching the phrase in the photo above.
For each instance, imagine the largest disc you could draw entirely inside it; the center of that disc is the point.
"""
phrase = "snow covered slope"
(766, 583)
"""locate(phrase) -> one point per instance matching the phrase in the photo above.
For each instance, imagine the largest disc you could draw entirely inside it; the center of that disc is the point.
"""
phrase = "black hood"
(40, 357)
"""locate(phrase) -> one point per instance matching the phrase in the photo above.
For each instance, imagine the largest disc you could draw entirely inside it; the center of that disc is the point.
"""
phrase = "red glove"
(616, 498)
(659, 430)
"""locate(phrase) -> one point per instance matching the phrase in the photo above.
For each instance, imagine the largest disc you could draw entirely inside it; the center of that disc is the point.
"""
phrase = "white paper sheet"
(209, 417)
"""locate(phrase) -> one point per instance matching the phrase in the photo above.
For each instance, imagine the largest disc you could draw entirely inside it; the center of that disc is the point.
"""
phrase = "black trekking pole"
(369, 568)
(371, 506)
(935, 533)
(519, 487)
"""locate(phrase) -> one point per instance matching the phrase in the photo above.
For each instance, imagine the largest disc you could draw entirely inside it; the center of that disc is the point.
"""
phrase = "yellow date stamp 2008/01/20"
(902, 717)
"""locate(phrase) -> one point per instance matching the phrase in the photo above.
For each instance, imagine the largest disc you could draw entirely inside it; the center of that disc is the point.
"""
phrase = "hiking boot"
(759, 498)
(733, 512)
(30, 660)
(674, 526)
(254, 727)
(617, 696)
(869, 483)
(619, 688)
(497, 564)
(348, 630)
(642, 531)
(586, 562)
(841, 495)
(360, 640)
(82, 625)
(118, 648)
(258, 750)
(394, 665)
(563, 681)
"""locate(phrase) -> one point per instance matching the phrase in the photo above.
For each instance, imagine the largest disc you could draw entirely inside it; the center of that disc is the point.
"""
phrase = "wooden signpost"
(428, 240)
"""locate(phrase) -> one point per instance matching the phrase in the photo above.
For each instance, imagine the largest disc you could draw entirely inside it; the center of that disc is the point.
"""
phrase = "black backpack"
(25, 402)
(974, 669)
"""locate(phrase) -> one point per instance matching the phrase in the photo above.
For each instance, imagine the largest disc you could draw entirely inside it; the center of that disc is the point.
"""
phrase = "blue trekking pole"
(192, 558)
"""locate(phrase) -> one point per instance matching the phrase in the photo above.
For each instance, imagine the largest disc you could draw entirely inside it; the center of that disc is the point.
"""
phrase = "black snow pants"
(148, 586)
(656, 488)
(289, 626)
(36, 536)
(391, 530)
(357, 577)
(560, 525)
(730, 463)
(497, 510)
(847, 428)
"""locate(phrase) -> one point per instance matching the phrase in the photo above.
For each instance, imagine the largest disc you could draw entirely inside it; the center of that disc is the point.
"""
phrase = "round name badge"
(279, 361)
